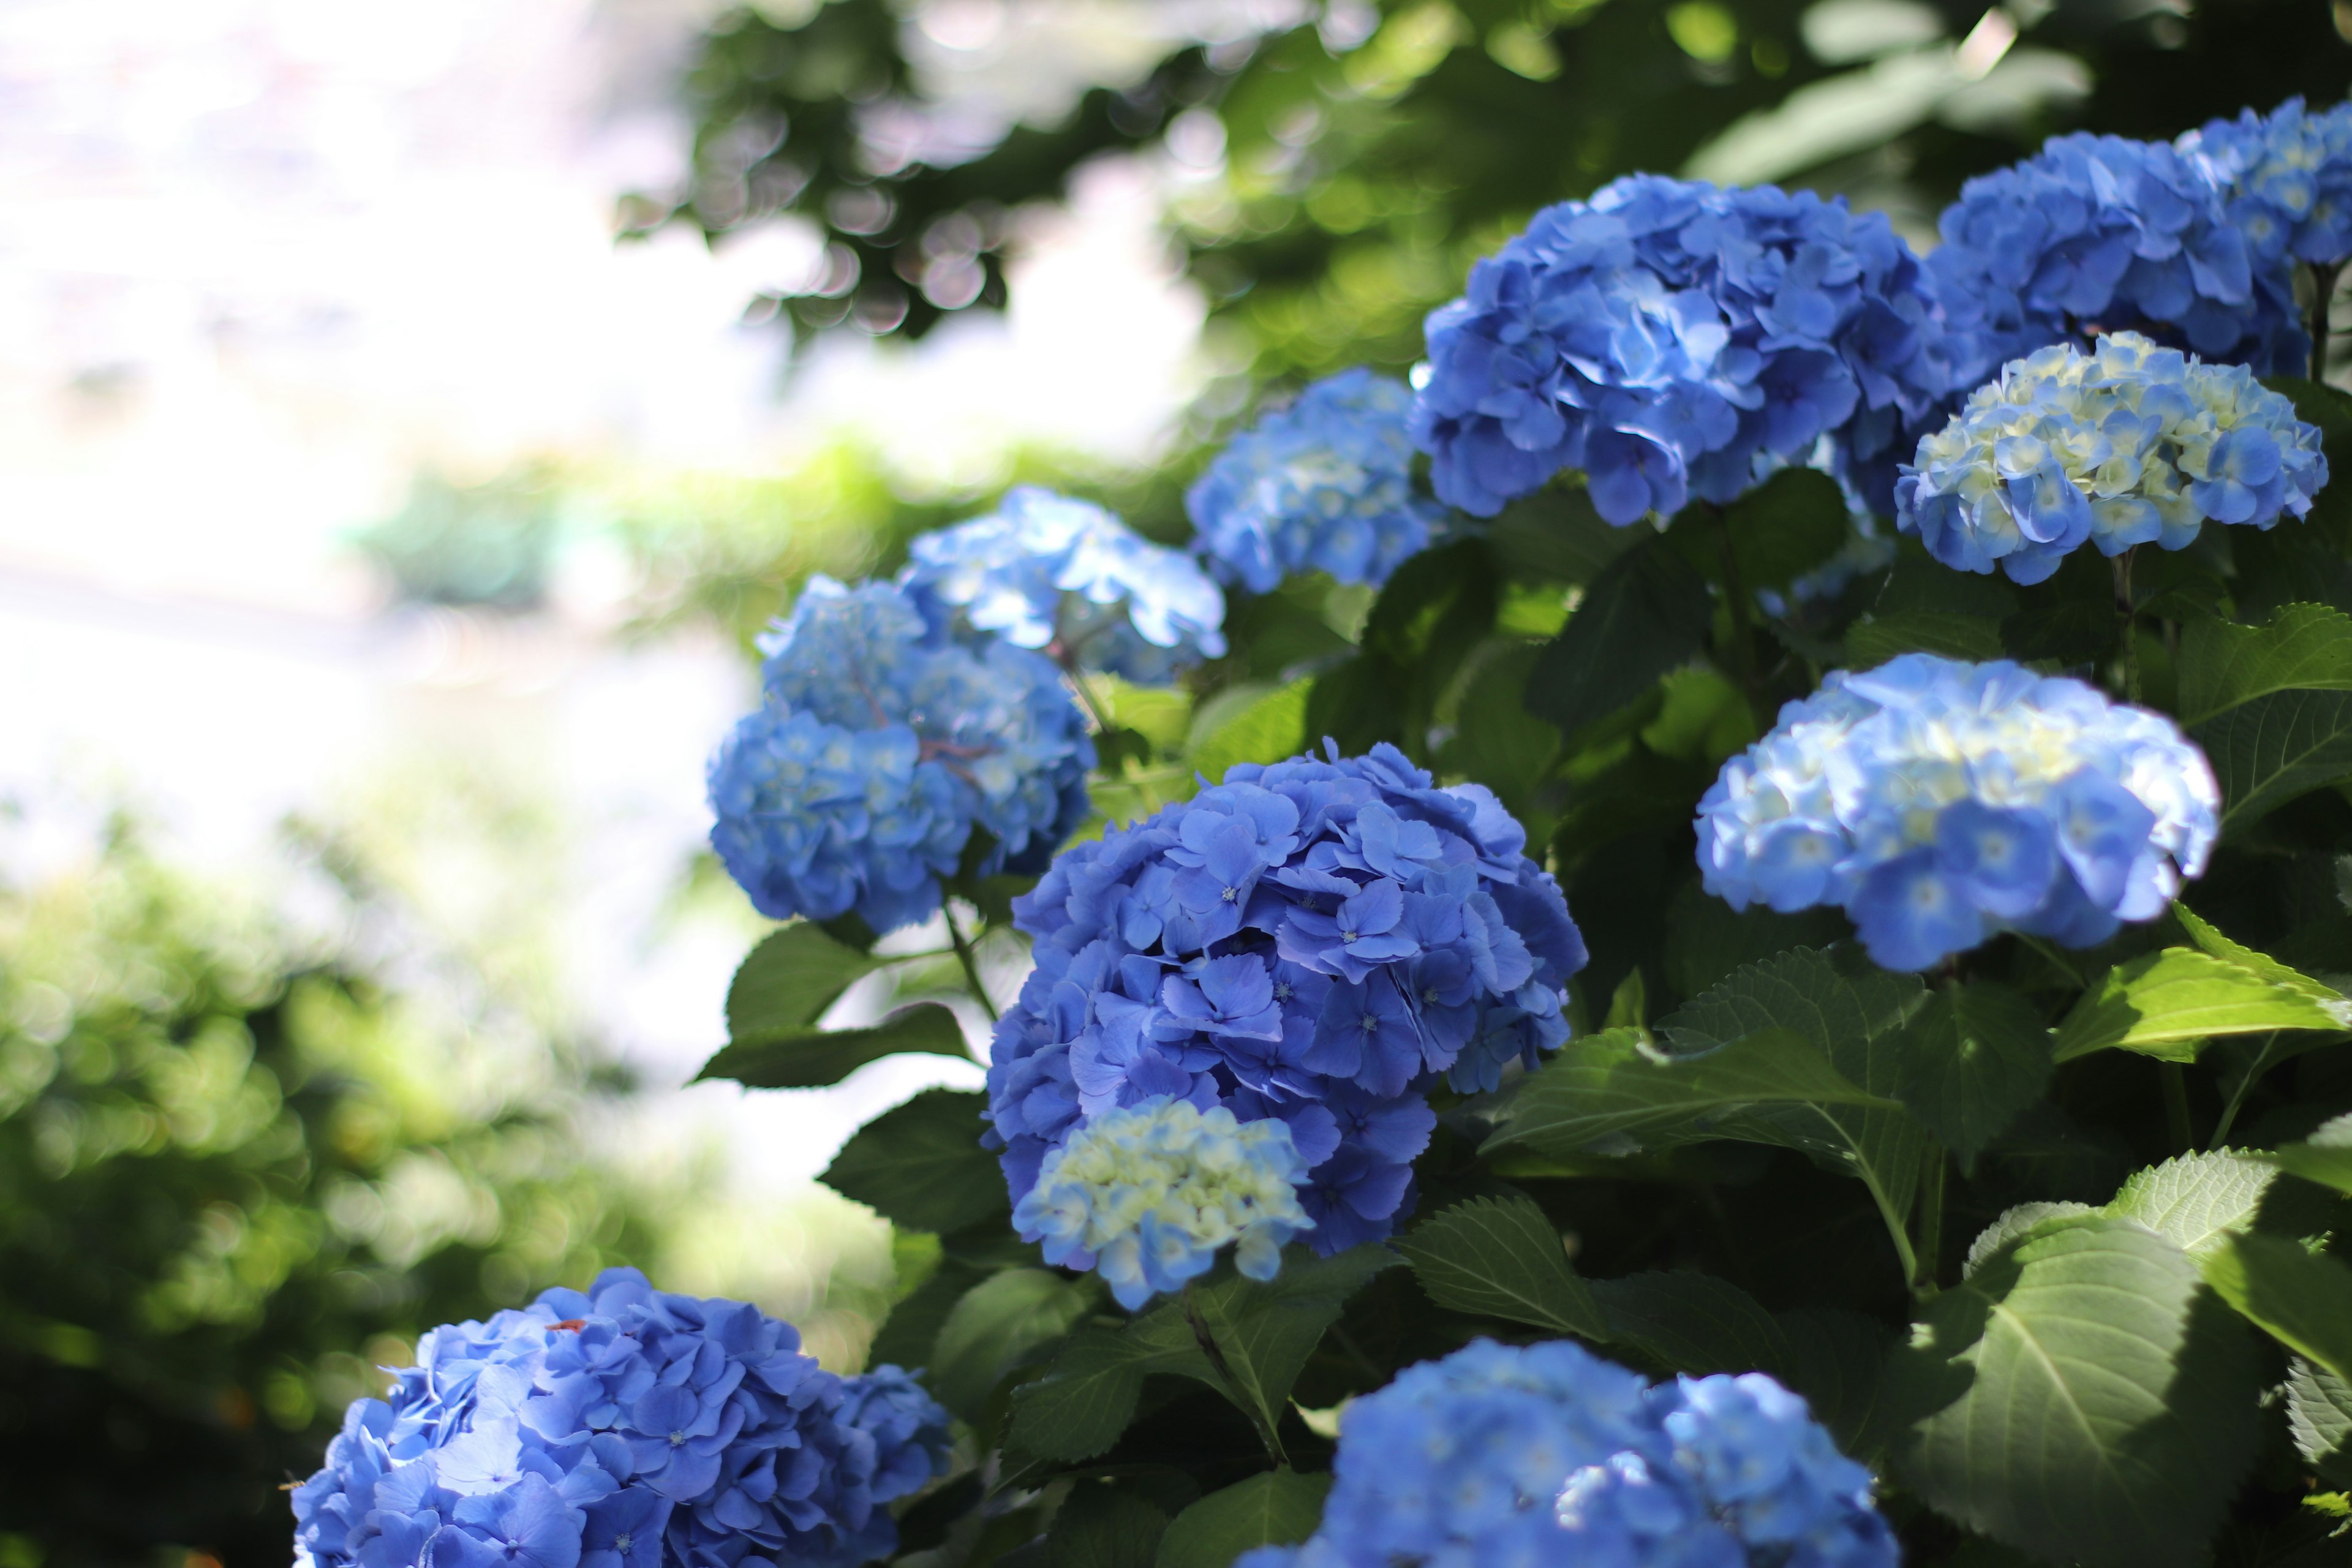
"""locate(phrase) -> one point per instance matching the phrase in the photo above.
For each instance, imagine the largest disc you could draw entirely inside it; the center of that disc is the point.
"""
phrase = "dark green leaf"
(2326, 1157)
(2196, 1202)
(2167, 1003)
(1496, 740)
(1786, 526)
(1267, 1330)
(2269, 751)
(1693, 1322)
(2071, 631)
(1706, 938)
(1617, 1091)
(812, 1058)
(1280, 1508)
(1973, 1057)
(927, 1521)
(788, 980)
(2080, 1396)
(1555, 536)
(2304, 1299)
(1088, 1396)
(2223, 664)
(908, 1335)
(1646, 613)
(921, 1165)
(996, 1325)
(1874, 640)
(1500, 1258)
(1103, 1525)
(1269, 730)
(1838, 1362)
(2319, 1419)
(1854, 1015)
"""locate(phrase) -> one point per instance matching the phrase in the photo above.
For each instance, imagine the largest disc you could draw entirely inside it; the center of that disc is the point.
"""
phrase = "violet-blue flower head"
(2098, 234)
(2288, 178)
(1939, 802)
(1148, 1194)
(2130, 444)
(1317, 943)
(1323, 484)
(1065, 578)
(1504, 1454)
(876, 752)
(619, 1427)
(1671, 338)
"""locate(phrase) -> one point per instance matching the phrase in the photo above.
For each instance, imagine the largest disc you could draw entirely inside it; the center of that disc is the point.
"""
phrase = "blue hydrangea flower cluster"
(1148, 1195)
(2130, 444)
(1671, 338)
(878, 752)
(622, 1427)
(2288, 175)
(2098, 234)
(1939, 802)
(1315, 942)
(1508, 1454)
(1325, 484)
(1047, 571)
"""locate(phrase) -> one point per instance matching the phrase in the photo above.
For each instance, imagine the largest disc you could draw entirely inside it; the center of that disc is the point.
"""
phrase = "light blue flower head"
(1064, 576)
(1314, 941)
(1538, 1454)
(2100, 234)
(1939, 802)
(1325, 484)
(1669, 338)
(876, 752)
(619, 1427)
(1148, 1195)
(2131, 444)
(2288, 176)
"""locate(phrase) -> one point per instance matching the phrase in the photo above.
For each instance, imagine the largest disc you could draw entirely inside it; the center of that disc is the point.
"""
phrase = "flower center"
(1372, 1024)
(1346, 936)
(621, 1542)
(1233, 895)
(677, 1439)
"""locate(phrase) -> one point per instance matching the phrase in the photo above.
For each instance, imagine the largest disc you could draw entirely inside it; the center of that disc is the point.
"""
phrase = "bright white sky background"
(262, 259)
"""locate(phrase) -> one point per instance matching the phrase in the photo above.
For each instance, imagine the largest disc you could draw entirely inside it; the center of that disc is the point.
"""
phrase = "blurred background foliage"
(241, 1164)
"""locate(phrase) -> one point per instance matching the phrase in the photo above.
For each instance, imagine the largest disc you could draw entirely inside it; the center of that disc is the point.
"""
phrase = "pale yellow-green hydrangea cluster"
(1148, 1194)
(2130, 444)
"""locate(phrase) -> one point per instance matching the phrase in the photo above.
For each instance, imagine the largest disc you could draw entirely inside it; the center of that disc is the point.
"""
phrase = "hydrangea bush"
(1927, 1140)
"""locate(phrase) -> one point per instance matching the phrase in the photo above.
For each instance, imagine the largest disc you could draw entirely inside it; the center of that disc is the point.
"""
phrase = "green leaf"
(812, 1058)
(1267, 730)
(1973, 1057)
(2196, 1202)
(1500, 1258)
(1706, 938)
(2209, 938)
(1103, 1525)
(788, 980)
(1644, 614)
(1856, 1017)
(1280, 1508)
(921, 1165)
(1693, 1322)
(2319, 1419)
(2269, 751)
(2223, 664)
(2082, 1398)
(1616, 1092)
(1088, 1394)
(1874, 640)
(2302, 1298)
(2167, 1003)
(2325, 1158)
(1786, 526)
(995, 1326)
(1838, 1362)
(2013, 1223)
(1496, 740)
(1555, 536)
(908, 1335)
(1267, 1330)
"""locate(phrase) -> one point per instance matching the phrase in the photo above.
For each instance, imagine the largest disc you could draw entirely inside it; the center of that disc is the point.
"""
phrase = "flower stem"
(1743, 637)
(2323, 296)
(1931, 1221)
(2131, 624)
(1216, 1357)
(965, 956)
(2175, 1078)
(1069, 660)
